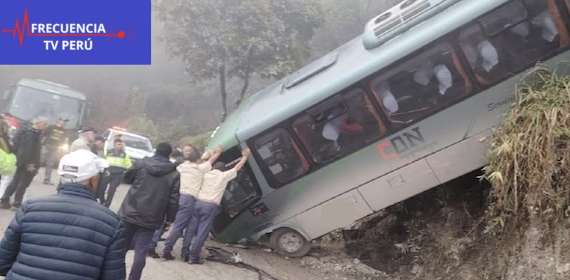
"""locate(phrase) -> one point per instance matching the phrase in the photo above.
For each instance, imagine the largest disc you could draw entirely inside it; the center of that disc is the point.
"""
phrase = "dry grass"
(529, 158)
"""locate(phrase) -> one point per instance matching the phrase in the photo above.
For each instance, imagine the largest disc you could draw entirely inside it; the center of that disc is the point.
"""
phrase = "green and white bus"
(401, 109)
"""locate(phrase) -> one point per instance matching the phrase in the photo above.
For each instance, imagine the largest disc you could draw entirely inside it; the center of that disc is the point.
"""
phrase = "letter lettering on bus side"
(414, 138)
(399, 144)
(382, 147)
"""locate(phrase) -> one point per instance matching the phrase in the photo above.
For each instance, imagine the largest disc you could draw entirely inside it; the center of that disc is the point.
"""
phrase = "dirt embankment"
(440, 234)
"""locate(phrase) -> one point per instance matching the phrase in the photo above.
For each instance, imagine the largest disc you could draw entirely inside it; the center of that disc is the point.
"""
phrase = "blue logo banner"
(80, 32)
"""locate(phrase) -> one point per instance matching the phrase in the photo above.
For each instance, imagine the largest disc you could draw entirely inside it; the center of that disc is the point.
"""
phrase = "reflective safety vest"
(118, 159)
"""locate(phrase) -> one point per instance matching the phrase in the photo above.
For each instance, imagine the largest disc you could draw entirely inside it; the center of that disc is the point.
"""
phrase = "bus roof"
(343, 67)
(52, 87)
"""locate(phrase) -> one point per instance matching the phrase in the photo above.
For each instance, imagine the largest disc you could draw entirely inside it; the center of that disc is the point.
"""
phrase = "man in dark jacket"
(68, 236)
(27, 147)
(152, 200)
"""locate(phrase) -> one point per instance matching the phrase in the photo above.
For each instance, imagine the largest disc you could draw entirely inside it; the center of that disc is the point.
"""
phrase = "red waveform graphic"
(21, 30)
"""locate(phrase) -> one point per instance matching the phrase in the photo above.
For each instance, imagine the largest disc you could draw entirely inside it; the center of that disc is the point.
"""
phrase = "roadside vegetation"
(530, 156)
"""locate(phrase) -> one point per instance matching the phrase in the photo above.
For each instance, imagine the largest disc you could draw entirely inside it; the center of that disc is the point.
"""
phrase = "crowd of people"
(74, 234)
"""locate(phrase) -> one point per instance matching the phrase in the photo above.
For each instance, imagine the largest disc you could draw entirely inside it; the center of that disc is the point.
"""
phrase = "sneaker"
(153, 254)
(5, 204)
(168, 257)
(185, 258)
(47, 182)
(16, 205)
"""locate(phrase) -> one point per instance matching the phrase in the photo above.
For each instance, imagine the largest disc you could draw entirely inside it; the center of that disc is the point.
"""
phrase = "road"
(278, 267)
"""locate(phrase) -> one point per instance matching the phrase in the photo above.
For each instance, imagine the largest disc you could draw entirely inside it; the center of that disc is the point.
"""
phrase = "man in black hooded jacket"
(152, 200)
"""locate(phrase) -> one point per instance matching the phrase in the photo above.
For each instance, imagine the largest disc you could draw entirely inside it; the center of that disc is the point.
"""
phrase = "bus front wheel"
(289, 243)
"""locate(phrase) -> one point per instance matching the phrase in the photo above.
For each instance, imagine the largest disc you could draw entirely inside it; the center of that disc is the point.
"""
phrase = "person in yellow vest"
(7, 158)
(119, 163)
(4, 138)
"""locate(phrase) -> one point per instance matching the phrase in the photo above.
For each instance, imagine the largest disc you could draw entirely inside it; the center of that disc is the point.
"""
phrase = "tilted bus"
(401, 109)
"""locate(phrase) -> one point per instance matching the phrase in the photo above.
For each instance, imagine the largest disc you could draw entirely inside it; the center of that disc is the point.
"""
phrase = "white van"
(136, 146)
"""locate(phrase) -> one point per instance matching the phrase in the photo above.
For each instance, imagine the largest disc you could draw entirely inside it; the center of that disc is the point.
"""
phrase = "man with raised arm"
(208, 204)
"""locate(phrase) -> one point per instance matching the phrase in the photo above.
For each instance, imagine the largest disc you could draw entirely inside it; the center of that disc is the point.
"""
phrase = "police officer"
(119, 163)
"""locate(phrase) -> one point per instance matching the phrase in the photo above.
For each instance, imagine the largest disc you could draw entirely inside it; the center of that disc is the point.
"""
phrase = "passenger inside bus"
(387, 99)
(510, 39)
(444, 78)
(338, 126)
(547, 26)
(483, 58)
(420, 86)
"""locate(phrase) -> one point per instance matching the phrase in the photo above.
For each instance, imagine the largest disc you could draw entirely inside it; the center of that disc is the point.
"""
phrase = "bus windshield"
(28, 103)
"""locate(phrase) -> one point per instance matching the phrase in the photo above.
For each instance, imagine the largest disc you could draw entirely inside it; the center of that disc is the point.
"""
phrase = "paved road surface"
(177, 270)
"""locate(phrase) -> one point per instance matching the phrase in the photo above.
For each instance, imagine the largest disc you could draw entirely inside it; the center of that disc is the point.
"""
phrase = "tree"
(145, 126)
(229, 39)
(136, 102)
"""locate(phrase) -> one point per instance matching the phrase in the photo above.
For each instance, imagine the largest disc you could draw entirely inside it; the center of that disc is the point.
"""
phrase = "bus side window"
(339, 126)
(281, 158)
(421, 85)
(510, 39)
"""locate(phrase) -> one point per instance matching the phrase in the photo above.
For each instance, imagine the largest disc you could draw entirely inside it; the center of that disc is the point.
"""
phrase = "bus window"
(423, 84)
(282, 159)
(510, 39)
(339, 126)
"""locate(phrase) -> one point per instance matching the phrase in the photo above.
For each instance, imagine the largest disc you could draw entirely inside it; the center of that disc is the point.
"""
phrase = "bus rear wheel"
(289, 243)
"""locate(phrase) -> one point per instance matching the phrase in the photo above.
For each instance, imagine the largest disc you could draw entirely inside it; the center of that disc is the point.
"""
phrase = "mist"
(171, 96)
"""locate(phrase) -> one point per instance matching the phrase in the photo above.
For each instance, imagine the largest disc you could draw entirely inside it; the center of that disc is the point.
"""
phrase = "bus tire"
(290, 243)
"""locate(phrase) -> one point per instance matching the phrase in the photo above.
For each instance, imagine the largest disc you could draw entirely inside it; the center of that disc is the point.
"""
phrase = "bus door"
(239, 196)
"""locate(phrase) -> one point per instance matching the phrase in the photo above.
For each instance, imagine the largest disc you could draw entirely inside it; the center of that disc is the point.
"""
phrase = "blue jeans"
(138, 238)
(197, 233)
(183, 218)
